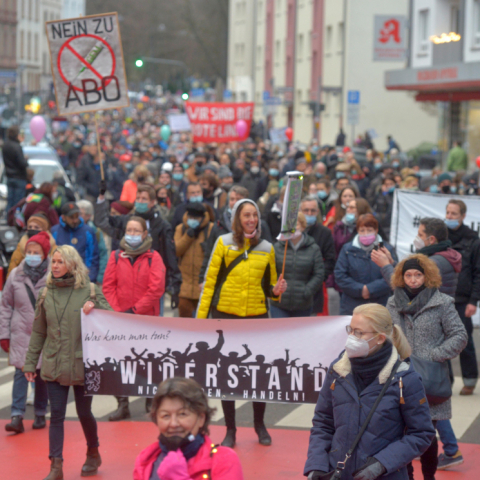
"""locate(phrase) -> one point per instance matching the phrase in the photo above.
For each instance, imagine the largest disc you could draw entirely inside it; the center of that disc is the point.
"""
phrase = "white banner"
(274, 360)
(410, 207)
(87, 63)
(179, 122)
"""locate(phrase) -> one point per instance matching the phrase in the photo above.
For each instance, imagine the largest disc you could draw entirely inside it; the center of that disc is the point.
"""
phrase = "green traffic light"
(184, 96)
(139, 63)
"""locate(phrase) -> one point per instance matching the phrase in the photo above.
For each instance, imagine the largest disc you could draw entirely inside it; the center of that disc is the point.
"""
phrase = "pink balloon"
(242, 128)
(38, 127)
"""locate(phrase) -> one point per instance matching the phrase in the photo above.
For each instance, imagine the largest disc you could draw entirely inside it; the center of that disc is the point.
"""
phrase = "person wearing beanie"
(444, 182)
(17, 314)
(433, 328)
(38, 222)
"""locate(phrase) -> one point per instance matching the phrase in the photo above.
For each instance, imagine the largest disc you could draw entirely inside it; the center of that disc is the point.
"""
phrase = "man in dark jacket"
(466, 242)
(251, 179)
(194, 195)
(89, 173)
(383, 205)
(15, 167)
(72, 231)
(323, 238)
(160, 230)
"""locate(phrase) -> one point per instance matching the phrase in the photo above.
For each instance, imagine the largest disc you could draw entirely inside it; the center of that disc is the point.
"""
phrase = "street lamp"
(185, 96)
(139, 63)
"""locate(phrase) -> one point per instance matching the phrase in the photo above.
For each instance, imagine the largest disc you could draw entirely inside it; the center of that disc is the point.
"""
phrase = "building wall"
(51, 10)
(73, 8)
(471, 43)
(8, 23)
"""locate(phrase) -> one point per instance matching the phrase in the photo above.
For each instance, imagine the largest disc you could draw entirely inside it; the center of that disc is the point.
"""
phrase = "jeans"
(447, 437)
(468, 357)
(58, 395)
(162, 304)
(429, 460)
(19, 394)
(277, 312)
(16, 191)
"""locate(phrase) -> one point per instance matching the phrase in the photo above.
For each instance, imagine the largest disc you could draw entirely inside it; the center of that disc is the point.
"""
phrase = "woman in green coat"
(57, 333)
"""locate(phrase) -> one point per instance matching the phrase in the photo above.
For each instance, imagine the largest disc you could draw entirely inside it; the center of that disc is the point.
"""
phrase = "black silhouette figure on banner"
(179, 358)
(226, 362)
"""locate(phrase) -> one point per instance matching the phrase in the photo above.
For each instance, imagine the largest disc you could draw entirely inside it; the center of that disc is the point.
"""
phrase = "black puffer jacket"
(15, 163)
(304, 273)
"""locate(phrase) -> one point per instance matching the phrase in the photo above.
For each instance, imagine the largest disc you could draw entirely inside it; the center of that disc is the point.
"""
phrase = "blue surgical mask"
(391, 189)
(395, 164)
(377, 166)
(322, 194)
(452, 224)
(311, 219)
(319, 175)
(192, 223)
(197, 199)
(340, 175)
(185, 165)
(353, 172)
(141, 207)
(273, 172)
(33, 260)
(453, 189)
(133, 241)
(177, 176)
(433, 188)
(350, 218)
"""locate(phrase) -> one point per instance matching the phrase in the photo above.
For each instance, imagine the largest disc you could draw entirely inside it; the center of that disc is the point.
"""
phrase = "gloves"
(174, 302)
(316, 475)
(174, 467)
(5, 344)
(190, 232)
(102, 187)
(370, 471)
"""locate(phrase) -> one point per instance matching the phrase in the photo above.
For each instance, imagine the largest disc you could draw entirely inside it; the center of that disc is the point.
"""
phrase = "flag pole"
(98, 147)
(283, 267)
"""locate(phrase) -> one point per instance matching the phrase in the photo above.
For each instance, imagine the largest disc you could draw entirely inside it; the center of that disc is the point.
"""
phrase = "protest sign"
(179, 122)
(216, 122)
(410, 207)
(291, 205)
(87, 63)
(277, 135)
(274, 360)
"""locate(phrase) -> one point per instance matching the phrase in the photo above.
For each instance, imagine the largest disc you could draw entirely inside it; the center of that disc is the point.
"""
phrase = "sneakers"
(445, 462)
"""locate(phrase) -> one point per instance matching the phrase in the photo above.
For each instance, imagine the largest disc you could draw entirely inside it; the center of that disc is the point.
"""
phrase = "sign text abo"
(215, 122)
(87, 63)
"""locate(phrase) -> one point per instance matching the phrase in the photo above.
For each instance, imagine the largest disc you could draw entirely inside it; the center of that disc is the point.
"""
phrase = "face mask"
(367, 239)
(354, 172)
(133, 241)
(31, 232)
(273, 172)
(452, 224)
(322, 194)
(433, 189)
(162, 200)
(391, 190)
(185, 165)
(357, 347)
(177, 176)
(206, 192)
(415, 291)
(350, 218)
(377, 166)
(33, 260)
(141, 207)
(453, 189)
(227, 186)
(418, 243)
(255, 170)
(319, 175)
(141, 178)
(340, 175)
(311, 219)
(175, 442)
(395, 164)
(197, 198)
(446, 189)
(192, 223)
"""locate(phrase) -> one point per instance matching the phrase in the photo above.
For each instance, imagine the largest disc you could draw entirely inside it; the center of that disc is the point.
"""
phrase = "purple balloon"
(38, 127)
(242, 127)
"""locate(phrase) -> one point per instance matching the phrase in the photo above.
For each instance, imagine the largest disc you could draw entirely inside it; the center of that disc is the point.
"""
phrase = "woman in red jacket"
(134, 282)
(184, 452)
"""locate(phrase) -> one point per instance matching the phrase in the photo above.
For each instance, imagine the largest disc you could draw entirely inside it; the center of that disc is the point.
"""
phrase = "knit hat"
(443, 176)
(224, 172)
(43, 239)
(122, 207)
(412, 264)
(196, 209)
(40, 219)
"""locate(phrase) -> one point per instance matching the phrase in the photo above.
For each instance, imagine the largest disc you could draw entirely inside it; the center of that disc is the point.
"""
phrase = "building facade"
(8, 39)
(306, 53)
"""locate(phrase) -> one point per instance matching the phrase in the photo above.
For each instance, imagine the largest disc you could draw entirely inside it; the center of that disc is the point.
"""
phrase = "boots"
(122, 411)
(39, 422)
(148, 404)
(264, 437)
(56, 472)
(16, 425)
(93, 461)
(230, 438)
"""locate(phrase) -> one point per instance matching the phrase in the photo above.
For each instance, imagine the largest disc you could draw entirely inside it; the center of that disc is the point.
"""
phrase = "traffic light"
(185, 96)
(139, 62)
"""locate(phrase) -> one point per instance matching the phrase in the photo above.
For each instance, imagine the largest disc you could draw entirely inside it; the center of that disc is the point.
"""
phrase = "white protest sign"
(179, 122)
(291, 205)
(87, 63)
(277, 135)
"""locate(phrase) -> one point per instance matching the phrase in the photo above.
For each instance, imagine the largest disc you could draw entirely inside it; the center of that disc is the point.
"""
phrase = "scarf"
(407, 306)
(68, 280)
(366, 370)
(36, 273)
(147, 216)
(435, 248)
(456, 235)
(368, 248)
(128, 251)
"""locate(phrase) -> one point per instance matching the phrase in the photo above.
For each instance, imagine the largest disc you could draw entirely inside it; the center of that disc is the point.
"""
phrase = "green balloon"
(165, 132)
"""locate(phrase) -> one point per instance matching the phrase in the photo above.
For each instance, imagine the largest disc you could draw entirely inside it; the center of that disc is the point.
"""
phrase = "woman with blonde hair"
(57, 333)
(432, 326)
(371, 375)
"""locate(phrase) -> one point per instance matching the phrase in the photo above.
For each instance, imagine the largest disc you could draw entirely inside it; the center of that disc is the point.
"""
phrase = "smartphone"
(380, 244)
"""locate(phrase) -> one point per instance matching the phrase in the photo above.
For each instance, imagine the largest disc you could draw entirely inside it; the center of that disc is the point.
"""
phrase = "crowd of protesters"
(176, 218)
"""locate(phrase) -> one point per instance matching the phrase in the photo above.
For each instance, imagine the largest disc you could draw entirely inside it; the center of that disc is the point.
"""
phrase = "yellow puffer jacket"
(245, 289)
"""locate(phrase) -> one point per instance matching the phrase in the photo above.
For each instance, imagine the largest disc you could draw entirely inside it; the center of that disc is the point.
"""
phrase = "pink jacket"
(222, 465)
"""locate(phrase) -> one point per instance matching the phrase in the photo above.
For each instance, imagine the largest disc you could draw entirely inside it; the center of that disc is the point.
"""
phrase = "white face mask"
(418, 243)
(358, 347)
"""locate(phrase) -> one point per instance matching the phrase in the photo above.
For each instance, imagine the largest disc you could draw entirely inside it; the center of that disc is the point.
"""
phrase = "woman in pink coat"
(184, 452)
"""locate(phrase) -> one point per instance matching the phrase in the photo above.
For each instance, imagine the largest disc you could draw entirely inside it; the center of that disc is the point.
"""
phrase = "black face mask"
(162, 200)
(446, 189)
(31, 233)
(206, 192)
(175, 442)
(141, 178)
(415, 291)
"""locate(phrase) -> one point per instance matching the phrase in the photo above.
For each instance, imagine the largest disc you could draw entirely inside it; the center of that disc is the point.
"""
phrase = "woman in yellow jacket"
(242, 292)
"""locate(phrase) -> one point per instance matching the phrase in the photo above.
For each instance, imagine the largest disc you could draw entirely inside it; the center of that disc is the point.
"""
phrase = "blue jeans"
(58, 395)
(447, 437)
(277, 312)
(19, 394)
(16, 191)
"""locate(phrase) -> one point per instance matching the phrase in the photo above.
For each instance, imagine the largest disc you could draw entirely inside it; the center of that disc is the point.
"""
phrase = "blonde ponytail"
(401, 343)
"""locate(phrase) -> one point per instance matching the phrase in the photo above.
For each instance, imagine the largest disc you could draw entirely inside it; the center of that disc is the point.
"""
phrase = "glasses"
(356, 332)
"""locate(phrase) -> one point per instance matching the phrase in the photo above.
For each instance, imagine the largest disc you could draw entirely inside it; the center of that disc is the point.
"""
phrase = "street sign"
(197, 92)
(87, 63)
(265, 95)
(353, 96)
(272, 101)
(390, 38)
(353, 107)
(281, 90)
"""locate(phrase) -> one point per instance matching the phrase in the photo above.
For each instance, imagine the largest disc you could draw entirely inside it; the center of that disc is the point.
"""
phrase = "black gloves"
(103, 187)
(191, 232)
(370, 471)
(174, 301)
(316, 475)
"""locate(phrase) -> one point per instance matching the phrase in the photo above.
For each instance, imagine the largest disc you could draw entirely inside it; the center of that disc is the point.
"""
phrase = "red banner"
(216, 122)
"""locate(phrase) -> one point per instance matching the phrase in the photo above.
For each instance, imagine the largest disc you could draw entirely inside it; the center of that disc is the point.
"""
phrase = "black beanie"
(412, 264)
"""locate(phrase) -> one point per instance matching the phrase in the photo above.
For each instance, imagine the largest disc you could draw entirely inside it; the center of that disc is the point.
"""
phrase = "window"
(277, 51)
(259, 55)
(29, 9)
(45, 63)
(300, 48)
(22, 43)
(35, 48)
(340, 38)
(328, 39)
(454, 18)
(37, 11)
(29, 45)
(476, 23)
(423, 40)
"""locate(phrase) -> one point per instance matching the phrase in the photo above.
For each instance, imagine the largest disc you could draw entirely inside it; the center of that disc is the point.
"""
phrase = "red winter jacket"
(224, 464)
(139, 286)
